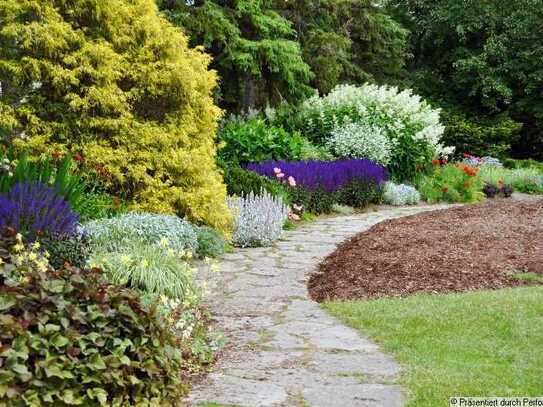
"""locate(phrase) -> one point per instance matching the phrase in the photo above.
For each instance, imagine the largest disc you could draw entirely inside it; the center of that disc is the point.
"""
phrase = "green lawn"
(488, 343)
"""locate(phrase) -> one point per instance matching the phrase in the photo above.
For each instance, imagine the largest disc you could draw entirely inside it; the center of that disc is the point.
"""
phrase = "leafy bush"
(409, 123)
(523, 179)
(36, 210)
(394, 194)
(359, 193)
(240, 181)
(258, 219)
(360, 140)
(313, 200)
(119, 86)
(112, 234)
(517, 164)
(74, 249)
(451, 183)
(253, 140)
(210, 243)
(150, 268)
(480, 137)
(329, 175)
(70, 338)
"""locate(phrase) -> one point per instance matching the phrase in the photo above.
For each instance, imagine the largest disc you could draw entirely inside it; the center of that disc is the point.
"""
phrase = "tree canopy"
(486, 56)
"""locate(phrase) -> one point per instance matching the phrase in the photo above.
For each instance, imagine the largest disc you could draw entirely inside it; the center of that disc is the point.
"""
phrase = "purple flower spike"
(329, 175)
(32, 208)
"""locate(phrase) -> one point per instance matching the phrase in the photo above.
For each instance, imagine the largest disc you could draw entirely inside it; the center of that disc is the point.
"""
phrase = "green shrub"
(70, 338)
(240, 181)
(210, 243)
(118, 85)
(359, 194)
(253, 140)
(480, 138)
(74, 250)
(316, 201)
(451, 183)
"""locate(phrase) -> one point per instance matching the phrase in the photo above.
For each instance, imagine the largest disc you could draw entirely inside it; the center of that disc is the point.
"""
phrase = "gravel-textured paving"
(283, 349)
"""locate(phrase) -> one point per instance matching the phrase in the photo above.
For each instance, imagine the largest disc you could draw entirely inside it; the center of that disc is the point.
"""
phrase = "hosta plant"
(400, 194)
(70, 338)
(258, 219)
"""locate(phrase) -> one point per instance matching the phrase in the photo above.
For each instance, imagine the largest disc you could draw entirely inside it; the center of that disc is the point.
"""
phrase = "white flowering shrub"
(360, 140)
(149, 228)
(400, 194)
(410, 124)
(258, 219)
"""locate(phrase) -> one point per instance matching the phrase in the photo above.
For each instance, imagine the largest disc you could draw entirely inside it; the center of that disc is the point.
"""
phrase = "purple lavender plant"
(34, 209)
(329, 175)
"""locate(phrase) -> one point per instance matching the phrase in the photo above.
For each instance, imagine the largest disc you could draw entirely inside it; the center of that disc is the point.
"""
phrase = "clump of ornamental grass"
(258, 219)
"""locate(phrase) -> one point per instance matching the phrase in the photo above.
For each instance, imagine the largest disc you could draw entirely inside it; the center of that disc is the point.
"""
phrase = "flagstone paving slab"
(284, 350)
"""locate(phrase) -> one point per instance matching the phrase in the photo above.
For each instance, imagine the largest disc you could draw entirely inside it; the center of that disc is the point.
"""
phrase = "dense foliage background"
(478, 61)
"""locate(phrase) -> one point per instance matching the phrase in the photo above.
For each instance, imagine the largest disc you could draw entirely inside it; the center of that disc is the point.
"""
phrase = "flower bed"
(331, 176)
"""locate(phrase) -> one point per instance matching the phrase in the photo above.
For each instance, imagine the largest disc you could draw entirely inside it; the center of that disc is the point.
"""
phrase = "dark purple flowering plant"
(34, 209)
(331, 176)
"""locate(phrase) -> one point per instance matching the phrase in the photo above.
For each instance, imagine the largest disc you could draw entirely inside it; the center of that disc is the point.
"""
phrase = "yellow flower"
(144, 263)
(47, 254)
(189, 255)
(171, 252)
(164, 242)
(1, 261)
(36, 245)
(32, 256)
(19, 237)
(125, 259)
(18, 247)
(215, 268)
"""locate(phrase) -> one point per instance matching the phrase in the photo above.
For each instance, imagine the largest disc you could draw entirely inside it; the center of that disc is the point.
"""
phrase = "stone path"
(284, 350)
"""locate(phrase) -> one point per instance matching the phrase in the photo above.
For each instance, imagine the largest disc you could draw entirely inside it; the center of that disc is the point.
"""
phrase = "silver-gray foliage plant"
(115, 233)
(258, 219)
(394, 194)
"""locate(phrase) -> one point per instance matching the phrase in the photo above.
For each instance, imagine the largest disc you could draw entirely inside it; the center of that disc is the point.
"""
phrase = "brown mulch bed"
(460, 249)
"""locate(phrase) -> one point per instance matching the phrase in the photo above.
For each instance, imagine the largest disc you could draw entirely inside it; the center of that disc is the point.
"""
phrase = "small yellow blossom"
(164, 242)
(19, 237)
(188, 255)
(215, 267)
(144, 263)
(47, 254)
(171, 252)
(32, 256)
(36, 245)
(125, 259)
(19, 247)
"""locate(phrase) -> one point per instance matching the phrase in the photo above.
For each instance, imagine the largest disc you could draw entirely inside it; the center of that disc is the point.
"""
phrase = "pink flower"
(277, 170)
(293, 216)
(291, 181)
(280, 175)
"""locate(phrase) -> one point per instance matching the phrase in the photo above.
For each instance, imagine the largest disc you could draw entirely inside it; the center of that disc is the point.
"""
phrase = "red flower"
(79, 157)
(466, 184)
(39, 232)
(466, 155)
(436, 162)
(445, 188)
(470, 171)
(443, 161)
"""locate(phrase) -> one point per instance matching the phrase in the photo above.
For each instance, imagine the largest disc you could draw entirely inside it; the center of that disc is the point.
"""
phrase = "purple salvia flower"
(329, 175)
(32, 207)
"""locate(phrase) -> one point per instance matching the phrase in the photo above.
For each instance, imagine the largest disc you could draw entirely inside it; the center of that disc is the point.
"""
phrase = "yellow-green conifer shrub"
(113, 80)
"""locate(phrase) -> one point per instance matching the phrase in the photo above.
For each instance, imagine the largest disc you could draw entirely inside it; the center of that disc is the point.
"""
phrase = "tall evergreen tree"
(347, 40)
(254, 49)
